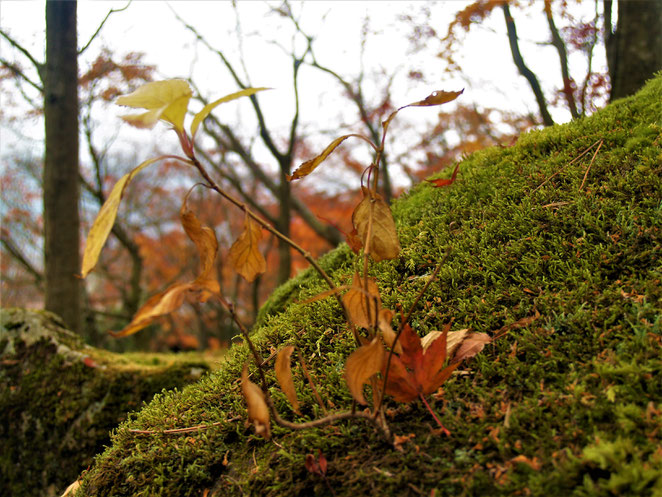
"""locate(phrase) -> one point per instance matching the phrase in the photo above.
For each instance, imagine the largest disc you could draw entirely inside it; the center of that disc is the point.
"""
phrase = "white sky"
(150, 27)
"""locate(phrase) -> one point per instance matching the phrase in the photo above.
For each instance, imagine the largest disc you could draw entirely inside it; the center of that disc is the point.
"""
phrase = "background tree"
(634, 48)
(61, 188)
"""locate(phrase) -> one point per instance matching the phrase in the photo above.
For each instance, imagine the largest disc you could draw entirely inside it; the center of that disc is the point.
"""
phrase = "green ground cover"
(563, 228)
(59, 399)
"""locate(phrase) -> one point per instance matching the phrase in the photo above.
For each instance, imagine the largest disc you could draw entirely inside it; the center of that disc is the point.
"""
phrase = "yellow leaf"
(364, 362)
(362, 303)
(310, 165)
(245, 255)
(105, 220)
(206, 110)
(284, 376)
(383, 243)
(258, 412)
(166, 100)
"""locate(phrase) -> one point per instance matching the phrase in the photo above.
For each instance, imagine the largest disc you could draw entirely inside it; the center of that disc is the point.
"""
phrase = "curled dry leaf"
(164, 100)
(471, 345)
(445, 182)
(460, 344)
(364, 362)
(383, 243)
(437, 98)
(310, 165)
(284, 376)
(245, 254)
(172, 298)
(258, 412)
(453, 340)
(207, 245)
(360, 301)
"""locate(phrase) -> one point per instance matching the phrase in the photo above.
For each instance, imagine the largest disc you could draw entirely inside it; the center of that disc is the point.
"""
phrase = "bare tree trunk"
(523, 69)
(61, 187)
(634, 50)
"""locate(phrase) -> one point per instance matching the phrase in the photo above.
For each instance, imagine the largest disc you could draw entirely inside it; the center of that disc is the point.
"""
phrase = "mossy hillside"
(567, 404)
(59, 399)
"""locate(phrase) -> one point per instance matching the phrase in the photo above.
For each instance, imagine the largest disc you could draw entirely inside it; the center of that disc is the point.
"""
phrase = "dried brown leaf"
(384, 243)
(364, 362)
(158, 305)
(284, 376)
(258, 412)
(245, 255)
(310, 165)
(437, 98)
(471, 345)
(360, 302)
(453, 340)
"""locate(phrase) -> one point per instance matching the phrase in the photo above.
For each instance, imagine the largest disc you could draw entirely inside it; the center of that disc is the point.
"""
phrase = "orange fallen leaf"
(258, 412)
(284, 376)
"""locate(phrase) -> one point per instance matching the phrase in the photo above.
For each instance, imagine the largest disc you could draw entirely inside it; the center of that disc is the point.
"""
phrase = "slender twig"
(568, 164)
(96, 33)
(304, 368)
(434, 415)
(178, 431)
(589, 166)
(265, 225)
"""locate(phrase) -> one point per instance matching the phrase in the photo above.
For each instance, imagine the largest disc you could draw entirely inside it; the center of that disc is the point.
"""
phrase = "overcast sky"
(151, 27)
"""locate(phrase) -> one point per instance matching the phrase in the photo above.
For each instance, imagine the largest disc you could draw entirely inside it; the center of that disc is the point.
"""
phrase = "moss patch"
(59, 399)
(566, 225)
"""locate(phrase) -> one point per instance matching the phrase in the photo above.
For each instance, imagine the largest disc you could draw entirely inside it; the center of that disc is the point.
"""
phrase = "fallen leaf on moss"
(416, 372)
(284, 376)
(258, 412)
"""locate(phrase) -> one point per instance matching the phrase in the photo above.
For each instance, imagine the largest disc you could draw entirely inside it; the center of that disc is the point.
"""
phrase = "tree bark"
(60, 176)
(523, 69)
(634, 49)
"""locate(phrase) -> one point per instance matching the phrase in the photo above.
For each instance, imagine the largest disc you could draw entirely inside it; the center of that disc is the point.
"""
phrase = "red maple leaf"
(416, 372)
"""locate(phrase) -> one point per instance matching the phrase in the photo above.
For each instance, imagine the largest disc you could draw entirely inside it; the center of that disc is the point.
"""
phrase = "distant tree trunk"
(61, 186)
(634, 49)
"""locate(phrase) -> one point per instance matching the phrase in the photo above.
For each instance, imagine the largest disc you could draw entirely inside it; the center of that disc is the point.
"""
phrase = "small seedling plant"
(393, 360)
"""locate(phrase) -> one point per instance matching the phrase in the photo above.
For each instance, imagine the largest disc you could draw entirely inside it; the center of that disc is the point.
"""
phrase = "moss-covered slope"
(59, 399)
(568, 404)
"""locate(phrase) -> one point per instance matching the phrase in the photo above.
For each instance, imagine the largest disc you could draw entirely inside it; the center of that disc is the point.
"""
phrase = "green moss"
(59, 399)
(565, 225)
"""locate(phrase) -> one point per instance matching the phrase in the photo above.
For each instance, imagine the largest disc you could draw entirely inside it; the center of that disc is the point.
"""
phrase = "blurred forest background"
(588, 53)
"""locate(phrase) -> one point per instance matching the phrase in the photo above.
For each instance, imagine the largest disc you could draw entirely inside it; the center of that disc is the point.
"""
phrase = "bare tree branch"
(16, 253)
(112, 11)
(559, 44)
(39, 66)
(523, 69)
